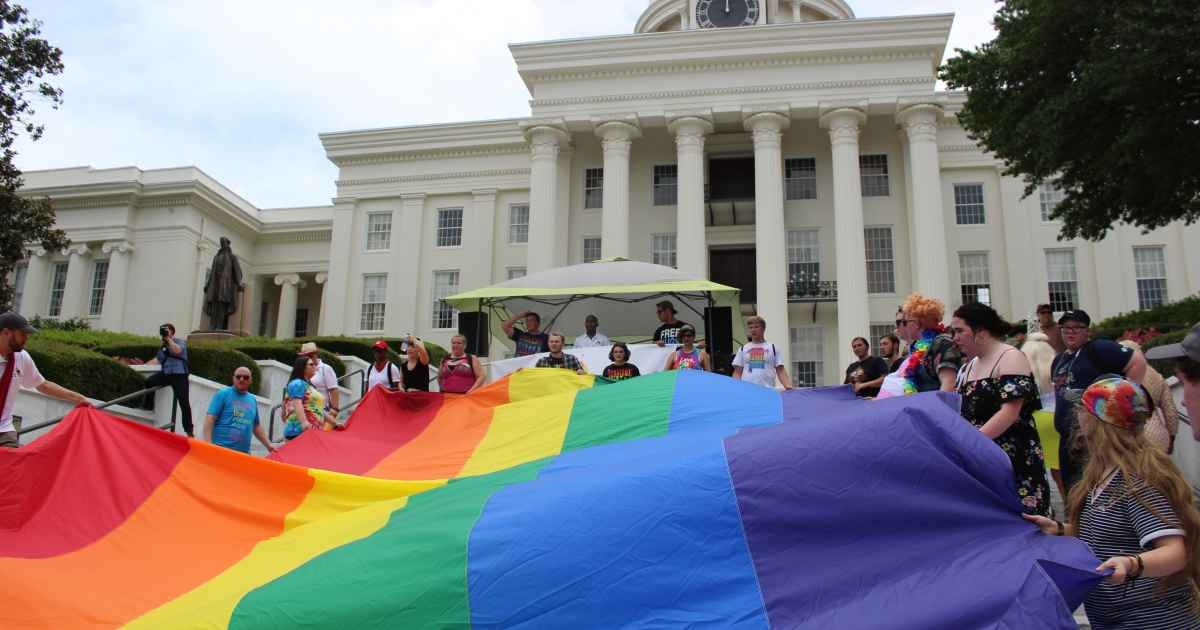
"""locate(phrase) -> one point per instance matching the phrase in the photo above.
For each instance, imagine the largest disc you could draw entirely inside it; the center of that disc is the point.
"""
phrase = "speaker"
(474, 326)
(718, 335)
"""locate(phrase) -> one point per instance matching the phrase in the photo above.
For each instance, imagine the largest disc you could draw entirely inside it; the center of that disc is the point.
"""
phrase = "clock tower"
(726, 13)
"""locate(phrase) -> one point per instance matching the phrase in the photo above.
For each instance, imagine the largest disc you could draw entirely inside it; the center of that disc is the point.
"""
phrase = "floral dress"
(981, 399)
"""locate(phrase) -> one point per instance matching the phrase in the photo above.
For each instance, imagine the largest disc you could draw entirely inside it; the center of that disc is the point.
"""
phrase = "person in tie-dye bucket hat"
(1135, 510)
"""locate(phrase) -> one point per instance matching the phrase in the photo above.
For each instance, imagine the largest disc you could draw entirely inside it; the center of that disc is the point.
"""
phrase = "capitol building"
(784, 147)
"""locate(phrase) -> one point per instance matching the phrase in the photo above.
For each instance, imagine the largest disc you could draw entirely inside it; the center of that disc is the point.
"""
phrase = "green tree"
(1102, 96)
(26, 60)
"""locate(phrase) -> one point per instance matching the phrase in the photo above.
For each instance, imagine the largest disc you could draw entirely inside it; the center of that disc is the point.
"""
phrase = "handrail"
(362, 374)
(43, 425)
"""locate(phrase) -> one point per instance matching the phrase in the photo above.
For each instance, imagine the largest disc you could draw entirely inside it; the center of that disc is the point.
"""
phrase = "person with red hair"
(933, 360)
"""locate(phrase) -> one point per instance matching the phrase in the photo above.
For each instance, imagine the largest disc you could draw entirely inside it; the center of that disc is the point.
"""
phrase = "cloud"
(241, 88)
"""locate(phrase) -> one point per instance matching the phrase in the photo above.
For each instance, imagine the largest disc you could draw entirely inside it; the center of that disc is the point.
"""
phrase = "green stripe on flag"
(410, 574)
(629, 410)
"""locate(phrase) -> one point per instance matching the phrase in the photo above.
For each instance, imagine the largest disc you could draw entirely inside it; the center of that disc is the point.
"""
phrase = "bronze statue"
(222, 287)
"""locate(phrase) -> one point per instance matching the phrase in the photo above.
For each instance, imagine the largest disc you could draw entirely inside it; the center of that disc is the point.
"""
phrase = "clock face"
(717, 13)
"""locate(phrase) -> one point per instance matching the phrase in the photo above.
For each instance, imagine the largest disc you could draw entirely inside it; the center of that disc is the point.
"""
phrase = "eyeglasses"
(901, 322)
(1074, 328)
(241, 377)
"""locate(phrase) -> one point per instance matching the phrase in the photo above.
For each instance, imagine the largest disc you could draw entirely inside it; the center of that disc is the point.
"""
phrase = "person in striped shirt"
(1134, 509)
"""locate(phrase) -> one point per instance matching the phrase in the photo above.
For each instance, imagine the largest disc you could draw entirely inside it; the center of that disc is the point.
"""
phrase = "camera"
(163, 331)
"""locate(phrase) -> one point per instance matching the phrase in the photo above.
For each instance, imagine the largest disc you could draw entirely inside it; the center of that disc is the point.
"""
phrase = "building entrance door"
(735, 268)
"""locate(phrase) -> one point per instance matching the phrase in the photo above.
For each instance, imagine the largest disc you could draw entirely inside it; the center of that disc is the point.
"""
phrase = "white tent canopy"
(620, 293)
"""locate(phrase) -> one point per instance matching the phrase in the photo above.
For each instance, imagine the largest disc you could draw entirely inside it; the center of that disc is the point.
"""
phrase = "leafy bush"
(208, 360)
(90, 373)
(47, 323)
(91, 339)
(264, 349)
(1166, 318)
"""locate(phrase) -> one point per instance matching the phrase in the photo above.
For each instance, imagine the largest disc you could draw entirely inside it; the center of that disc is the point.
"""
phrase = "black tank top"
(417, 378)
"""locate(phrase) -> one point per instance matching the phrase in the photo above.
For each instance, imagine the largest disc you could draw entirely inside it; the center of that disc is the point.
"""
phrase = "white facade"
(813, 146)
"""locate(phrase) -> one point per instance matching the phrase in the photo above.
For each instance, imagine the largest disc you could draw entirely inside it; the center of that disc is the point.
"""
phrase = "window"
(444, 283)
(379, 230)
(58, 284)
(662, 249)
(263, 319)
(99, 281)
(19, 285)
(374, 300)
(800, 178)
(804, 256)
(518, 224)
(873, 170)
(666, 184)
(593, 188)
(1150, 269)
(879, 331)
(591, 248)
(1060, 269)
(968, 204)
(975, 278)
(450, 225)
(881, 263)
(809, 353)
(516, 272)
(1050, 195)
(301, 329)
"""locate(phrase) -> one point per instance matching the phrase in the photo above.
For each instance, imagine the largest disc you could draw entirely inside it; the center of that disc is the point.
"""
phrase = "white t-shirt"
(758, 361)
(324, 380)
(380, 377)
(25, 375)
(599, 341)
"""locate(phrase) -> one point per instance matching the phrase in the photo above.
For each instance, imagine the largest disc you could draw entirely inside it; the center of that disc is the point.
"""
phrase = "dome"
(678, 15)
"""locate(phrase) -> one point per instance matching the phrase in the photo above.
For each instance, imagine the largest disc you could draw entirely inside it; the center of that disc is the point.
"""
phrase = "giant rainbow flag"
(545, 500)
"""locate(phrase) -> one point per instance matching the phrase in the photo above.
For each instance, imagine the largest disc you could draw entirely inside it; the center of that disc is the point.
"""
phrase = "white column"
(616, 138)
(691, 235)
(479, 239)
(112, 314)
(932, 271)
(404, 278)
(74, 302)
(543, 196)
(289, 293)
(323, 280)
(769, 233)
(797, 5)
(334, 302)
(849, 238)
(37, 283)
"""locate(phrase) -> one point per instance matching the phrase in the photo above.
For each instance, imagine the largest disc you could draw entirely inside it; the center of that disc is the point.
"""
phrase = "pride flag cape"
(549, 500)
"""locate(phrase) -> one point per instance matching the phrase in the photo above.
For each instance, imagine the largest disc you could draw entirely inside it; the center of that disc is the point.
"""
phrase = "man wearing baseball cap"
(1073, 371)
(18, 370)
(1187, 370)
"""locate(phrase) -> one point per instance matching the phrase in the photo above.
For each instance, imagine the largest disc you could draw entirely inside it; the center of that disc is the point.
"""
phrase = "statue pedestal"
(215, 335)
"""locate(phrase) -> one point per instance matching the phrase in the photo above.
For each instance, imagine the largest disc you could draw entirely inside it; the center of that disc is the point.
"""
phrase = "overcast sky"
(241, 88)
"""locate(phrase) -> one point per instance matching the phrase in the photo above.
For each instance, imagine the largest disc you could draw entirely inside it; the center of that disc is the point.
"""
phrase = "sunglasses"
(241, 377)
(901, 322)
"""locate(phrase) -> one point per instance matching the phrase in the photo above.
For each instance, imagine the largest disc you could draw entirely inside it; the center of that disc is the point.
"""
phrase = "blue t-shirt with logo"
(237, 415)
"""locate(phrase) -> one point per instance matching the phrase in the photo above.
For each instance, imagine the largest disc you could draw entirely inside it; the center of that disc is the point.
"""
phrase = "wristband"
(1141, 566)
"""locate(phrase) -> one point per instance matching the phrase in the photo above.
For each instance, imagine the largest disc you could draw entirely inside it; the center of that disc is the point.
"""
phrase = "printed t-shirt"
(688, 360)
(25, 374)
(758, 361)
(616, 372)
(314, 408)
(566, 361)
(669, 333)
(530, 343)
(1072, 372)
(868, 369)
(375, 376)
(237, 415)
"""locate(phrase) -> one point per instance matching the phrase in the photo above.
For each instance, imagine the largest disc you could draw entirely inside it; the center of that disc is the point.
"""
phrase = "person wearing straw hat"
(325, 379)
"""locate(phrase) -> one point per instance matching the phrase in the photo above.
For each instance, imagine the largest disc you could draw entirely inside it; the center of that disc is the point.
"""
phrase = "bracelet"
(1062, 529)
(1141, 566)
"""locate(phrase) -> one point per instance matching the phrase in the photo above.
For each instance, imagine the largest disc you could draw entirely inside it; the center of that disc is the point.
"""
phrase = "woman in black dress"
(999, 397)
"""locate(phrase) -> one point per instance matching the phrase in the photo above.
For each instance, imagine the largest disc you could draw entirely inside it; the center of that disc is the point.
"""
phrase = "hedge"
(91, 339)
(1174, 316)
(207, 359)
(264, 349)
(90, 373)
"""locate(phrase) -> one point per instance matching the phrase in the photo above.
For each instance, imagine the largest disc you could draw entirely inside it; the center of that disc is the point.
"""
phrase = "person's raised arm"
(507, 325)
(173, 348)
(480, 375)
(54, 390)
(422, 353)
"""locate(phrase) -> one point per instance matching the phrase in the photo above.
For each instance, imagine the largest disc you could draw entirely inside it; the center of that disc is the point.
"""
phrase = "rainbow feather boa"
(903, 382)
